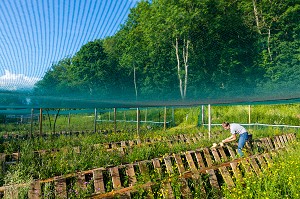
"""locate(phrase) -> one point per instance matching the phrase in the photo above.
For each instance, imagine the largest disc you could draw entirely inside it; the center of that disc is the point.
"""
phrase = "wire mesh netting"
(103, 54)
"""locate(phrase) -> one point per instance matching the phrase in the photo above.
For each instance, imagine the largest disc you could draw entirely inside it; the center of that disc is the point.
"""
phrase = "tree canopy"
(187, 50)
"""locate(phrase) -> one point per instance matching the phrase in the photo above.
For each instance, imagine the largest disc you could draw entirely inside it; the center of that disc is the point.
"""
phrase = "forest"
(187, 50)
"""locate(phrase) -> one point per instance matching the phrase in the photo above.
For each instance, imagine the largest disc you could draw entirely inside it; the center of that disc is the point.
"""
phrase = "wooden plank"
(131, 143)
(116, 193)
(98, 181)
(285, 138)
(16, 156)
(293, 136)
(167, 189)
(131, 174)
(236, 171)
(182, 138)
(247, 166)
(258, 144)
(195, 175)
(114, 146)
(223, 154)
(226, 176)
(289, 137)
(277, 146)
(215, 154)
(278, 142)
(116, 181)
(213, 179)
(197, 137)
(107, 145)
(60, 187)
(184, 189)
(81, 180)
(11, 193)
(35, 190)
(76, 149)
(207, 157)
(156, 165)
(255, 166)
(270, 143)
(123, 144)
(231, 152)
(261, 161)
(265, 144)
(281, 141)
(188, 139)
(268, 158)
(190, 161)
(168, 164)
(179, 163)
(194, 139)
(199, 159)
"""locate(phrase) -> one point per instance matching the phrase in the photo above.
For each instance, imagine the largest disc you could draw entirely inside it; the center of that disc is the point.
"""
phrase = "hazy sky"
(36, 33)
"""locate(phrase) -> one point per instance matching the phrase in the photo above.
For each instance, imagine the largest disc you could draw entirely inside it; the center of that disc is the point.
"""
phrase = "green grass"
(280, 180)
(186, 120)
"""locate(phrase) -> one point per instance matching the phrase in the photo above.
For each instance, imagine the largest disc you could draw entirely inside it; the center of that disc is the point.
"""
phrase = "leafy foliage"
(186, 49)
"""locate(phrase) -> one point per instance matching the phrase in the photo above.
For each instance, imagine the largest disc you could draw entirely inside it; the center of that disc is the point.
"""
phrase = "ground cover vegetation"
(187, 120)
(279, 180)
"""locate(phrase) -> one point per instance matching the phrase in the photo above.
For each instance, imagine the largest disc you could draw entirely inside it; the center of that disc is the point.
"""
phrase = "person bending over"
(236, 129)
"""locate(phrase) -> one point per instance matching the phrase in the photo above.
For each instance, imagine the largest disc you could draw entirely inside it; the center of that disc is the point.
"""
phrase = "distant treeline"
(188, 49)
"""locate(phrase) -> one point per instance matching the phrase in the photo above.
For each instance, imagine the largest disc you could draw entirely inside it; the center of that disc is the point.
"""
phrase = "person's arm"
(229, 139)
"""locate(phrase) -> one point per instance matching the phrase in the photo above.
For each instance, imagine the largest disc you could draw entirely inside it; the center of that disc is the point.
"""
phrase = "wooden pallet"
(207, 168)
(122, 147)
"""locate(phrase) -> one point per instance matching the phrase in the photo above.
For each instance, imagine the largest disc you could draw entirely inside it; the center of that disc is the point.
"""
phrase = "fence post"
(41, 121)
(165, 118)
(31, 123)
(115, 120)
(138, 121)
(209, 121)
(95, 121)
(249, 111)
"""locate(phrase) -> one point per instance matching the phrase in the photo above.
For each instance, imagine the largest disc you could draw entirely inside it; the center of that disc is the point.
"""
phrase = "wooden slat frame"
(222, 152)
(226, 176)
(60, 187)
(131, 174)
(199, 159)
(236, 171)
(35, 190)
(213, 179)
(115, 175)
(207, 157)
(255, 166)
(98, 181)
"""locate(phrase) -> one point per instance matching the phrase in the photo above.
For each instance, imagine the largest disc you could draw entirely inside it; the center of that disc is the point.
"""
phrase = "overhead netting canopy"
(129, 53)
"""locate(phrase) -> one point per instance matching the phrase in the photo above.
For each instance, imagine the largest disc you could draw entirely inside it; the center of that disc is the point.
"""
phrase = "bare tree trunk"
(269, 48)
(178, 68)
(185, 55)
(256, 16)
